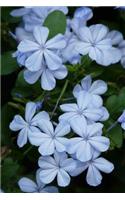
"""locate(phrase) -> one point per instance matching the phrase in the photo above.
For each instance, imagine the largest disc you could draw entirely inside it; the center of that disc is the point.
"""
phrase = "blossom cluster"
(62, 156)
(73, 144)
(46, 59)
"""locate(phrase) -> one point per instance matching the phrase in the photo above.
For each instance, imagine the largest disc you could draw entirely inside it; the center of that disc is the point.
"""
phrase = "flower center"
(80, 112)
(42, 47)
(93, 44)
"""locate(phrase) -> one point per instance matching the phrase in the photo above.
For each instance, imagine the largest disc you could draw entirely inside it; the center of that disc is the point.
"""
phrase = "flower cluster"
(62, 156)
(73, 144)
(46, 59)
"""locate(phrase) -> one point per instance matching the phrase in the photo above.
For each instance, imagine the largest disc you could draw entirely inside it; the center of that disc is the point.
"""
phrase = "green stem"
(112, 126)
(27, 150)
(60, 96)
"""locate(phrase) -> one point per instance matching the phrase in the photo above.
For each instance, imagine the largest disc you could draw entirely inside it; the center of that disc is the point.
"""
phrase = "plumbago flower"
(90, 139)
(29, 124)
(34, 16)
(27, 185)
(80, 18)
(122, 48)
(42, 50)
(94, 166)
(117, 40)
(94, 42)
(47, 77)
(59, 165)
(83, 110)
(94, 89)
(49, 139)
(121, 120)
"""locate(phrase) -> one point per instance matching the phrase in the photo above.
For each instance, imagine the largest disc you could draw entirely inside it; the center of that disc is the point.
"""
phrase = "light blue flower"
(80, 18)
(20, 12)
(21, 34)
(34, 16)
(83, 110)
(69, 53)
(49, 139)
(42, 50)
(94, 166)
(94, 89)
(90, 139)
(59, 165)
(122, 49)
(27, 185)
(37, 16)
(115, 36)
(21, 57)
(47, 77)
(29, 124)
(94, 42)
(121, 120)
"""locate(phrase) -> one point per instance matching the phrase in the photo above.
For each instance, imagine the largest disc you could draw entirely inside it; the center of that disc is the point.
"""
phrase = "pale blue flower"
(83, 110)
(90, 139)
(47, 77)
(42, 50)
(21, 34)
(49, 139)
(94, 166)
(34, 16)
(29, 186)
(21, 57)
(80, 18)
(122, 49)
(84, 13)
(38, 15)
(59, 165)
(94, 42)
(115, 36)
(20, 12)
(29, 124)
(69, 53)
(94, 89)
(121, 120)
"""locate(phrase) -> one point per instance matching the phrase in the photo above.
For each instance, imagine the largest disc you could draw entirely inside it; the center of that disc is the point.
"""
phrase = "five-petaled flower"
(90, 139)
(94, 166)
(27, 185)
(29, 124)
(83, 110)
(94, 89)
(49, 139)
(59, 165)
(42, 50)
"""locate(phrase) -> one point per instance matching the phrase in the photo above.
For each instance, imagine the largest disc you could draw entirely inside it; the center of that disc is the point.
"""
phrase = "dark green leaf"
(116, 136)
(8, 64)
(56, 23)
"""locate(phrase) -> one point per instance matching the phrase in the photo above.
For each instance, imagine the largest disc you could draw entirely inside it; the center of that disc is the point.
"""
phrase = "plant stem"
(112, 126)
(60, 96)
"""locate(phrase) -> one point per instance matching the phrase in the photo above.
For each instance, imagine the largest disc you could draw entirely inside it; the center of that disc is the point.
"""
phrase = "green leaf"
(8, 64)
(9, 175)
(116, 103)
(116, 136)
(56, 23)
(24, 89)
